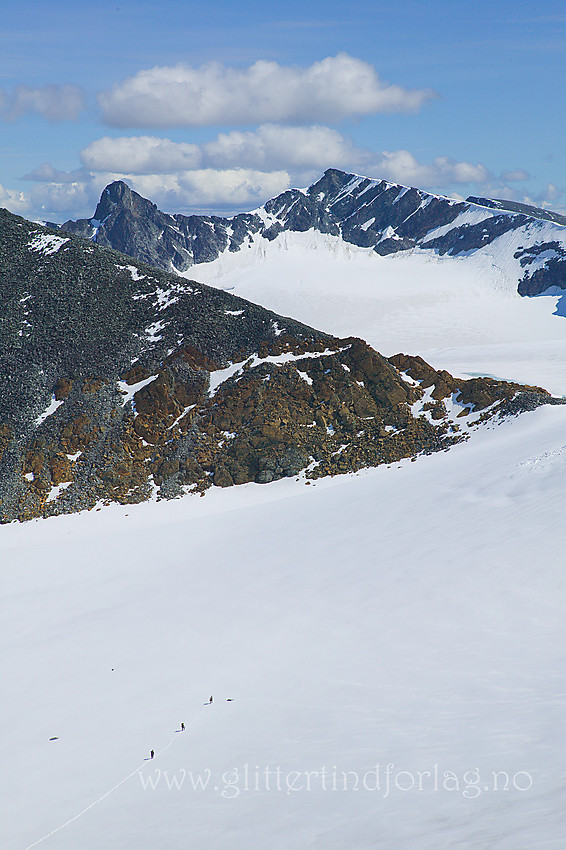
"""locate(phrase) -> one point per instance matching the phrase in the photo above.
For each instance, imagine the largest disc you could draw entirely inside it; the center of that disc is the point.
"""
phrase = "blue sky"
(218, 107)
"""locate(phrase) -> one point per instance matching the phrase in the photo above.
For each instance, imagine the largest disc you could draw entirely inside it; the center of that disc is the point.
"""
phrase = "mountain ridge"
(385, 217)
(516, 206)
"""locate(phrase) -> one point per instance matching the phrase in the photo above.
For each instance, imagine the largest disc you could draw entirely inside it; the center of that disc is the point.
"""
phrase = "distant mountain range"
(119, 381)
(527, 243)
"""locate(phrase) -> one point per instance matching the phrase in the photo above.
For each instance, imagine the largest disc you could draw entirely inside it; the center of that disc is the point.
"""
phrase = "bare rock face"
(119, 382)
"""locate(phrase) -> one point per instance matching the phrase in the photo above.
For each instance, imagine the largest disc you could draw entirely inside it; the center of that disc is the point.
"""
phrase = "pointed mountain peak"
(118, 195)
(332, 180)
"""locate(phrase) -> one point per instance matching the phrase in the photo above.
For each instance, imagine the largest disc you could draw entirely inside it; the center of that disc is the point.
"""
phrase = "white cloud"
(402, 167)
(16, 202)
(210, 188)
(270, 147)
(547, 199)
(54, 201)
(55, 198)
(273, 146)
(53, 102)
(182, 96)
(140, 155)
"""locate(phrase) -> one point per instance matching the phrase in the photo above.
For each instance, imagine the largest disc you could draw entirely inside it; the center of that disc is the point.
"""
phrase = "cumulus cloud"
(268, 148)
(55, 201)
(140, 155)
(548, 198)
(182, 96)
(402, 167)
(55, 198)
(53, 102)
(209, 188)
(16, 202)
(274, 146)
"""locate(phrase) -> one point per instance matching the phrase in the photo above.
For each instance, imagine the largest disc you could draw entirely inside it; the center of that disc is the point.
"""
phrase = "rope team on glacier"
(152, 755)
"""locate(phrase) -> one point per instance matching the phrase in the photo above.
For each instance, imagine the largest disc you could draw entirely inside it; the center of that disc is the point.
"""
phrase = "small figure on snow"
(151, 755)
(210, 701)
(182, 727)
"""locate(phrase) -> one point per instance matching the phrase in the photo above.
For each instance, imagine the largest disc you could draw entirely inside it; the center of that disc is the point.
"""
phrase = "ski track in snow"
(135, 771)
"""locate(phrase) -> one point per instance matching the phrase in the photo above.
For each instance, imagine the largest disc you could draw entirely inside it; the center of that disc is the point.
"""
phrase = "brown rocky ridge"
(290, 407)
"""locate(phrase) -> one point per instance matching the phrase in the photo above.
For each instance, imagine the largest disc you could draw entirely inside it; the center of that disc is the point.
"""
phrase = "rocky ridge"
(385, 217)
(119, 382)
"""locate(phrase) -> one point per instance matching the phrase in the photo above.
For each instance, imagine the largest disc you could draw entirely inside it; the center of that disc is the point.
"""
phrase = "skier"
(151, 755)
(210, 701)
(182, 727)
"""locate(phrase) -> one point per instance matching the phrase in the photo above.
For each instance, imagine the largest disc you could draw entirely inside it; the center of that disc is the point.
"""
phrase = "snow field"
(392, 642)
(403, 616)
(457, 312)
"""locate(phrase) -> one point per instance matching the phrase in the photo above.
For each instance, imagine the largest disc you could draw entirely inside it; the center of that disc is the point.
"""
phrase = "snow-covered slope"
(402, 626)
(462, 314)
